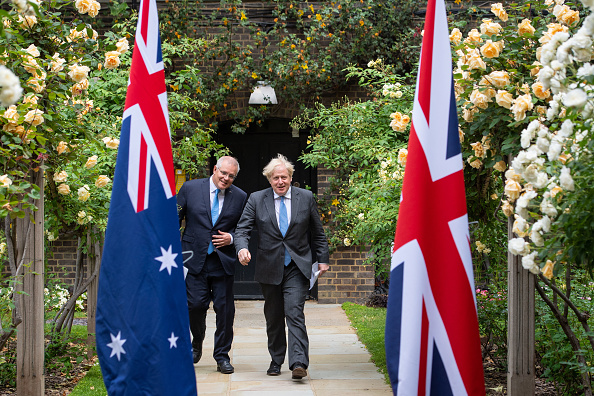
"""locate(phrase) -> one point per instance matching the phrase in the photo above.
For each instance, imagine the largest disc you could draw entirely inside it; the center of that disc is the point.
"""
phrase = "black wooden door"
(254, 149)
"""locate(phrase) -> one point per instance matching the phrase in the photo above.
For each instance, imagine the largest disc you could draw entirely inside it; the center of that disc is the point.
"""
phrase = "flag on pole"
(143, 330)
(432, 337)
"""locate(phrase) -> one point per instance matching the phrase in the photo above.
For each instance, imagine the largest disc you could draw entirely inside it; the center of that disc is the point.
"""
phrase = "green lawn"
(91, 384)
(370, 324)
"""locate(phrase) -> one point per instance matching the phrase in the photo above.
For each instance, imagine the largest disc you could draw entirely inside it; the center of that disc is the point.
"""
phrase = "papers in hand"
(315, 272)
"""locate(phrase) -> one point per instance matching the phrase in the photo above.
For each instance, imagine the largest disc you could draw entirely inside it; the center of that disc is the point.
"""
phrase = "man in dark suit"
(211, 208)
(285, 217)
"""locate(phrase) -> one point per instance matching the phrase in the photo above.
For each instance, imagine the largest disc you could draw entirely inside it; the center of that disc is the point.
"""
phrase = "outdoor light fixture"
(263, 94)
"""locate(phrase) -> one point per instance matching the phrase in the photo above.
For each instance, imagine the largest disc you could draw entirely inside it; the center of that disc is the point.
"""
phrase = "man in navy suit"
(285, 217)
(211, 208)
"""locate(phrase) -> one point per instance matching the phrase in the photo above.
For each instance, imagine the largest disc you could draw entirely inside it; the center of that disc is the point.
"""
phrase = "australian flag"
(143, 330)
(432, 337)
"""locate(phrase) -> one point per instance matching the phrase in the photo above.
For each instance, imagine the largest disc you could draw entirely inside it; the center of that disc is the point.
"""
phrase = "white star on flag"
(167, 259)
(116, 345)
(172, 341)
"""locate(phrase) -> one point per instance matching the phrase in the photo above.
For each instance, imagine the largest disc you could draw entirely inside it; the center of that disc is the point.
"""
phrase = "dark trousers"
(212, 284)
(285, 302)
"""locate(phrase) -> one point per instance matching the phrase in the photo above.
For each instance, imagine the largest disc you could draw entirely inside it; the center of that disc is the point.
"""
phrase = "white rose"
(565, 179)
(518, 246)
(548, 208)
(575, 98)
(529, 263)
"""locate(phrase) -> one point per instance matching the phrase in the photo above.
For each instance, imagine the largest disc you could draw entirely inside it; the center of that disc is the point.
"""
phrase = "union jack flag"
(143, 337)
(432, 339)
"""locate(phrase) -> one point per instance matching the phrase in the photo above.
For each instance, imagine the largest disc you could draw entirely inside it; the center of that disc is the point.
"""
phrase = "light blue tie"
(214, 214)
(284, 224)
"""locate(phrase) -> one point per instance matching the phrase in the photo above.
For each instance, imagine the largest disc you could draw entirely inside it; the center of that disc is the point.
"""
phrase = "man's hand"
(323, 268)
(223, 239)
(244, 256)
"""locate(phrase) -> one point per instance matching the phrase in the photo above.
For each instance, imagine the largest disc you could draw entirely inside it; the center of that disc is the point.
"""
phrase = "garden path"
(339, 363)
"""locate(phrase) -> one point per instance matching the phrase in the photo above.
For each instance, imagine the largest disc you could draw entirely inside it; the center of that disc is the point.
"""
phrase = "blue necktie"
(284, 224)
(214, 214)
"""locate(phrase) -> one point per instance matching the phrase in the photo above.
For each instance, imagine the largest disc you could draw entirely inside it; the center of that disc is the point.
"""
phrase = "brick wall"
(61, 261)
(348, 279)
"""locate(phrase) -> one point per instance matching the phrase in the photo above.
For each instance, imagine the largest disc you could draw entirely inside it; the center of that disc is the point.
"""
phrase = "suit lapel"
(226, 203)
(206, 197)
(269, 204)
(295, 201)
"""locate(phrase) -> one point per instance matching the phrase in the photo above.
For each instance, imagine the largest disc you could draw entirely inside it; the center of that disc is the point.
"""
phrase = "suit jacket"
(259, 212)
(193, 201)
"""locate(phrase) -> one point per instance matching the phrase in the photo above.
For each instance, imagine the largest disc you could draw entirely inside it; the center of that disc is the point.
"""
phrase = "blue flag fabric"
(143, 330)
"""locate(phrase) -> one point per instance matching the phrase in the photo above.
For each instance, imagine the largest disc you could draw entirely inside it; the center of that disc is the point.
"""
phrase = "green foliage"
(302, 50)
(64, 352)
(370, 324)
(91, 385)
(356, 140)
(553, 350)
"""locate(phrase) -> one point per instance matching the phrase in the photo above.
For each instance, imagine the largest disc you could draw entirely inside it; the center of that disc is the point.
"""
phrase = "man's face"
(280, 181)
(223, 176)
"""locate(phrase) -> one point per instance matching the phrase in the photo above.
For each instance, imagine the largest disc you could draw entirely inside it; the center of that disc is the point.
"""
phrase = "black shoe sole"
(226, 371)
(273, 373)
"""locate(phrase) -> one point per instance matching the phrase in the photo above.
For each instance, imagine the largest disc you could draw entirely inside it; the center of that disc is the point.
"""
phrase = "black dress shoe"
(196, 355)
(299, 371)
(274, 369)
(225, 367)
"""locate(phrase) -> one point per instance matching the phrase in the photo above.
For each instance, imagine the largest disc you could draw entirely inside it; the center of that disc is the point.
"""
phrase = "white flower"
(5, 180)
(575, 98)
(548, 208)
(566, 128)
(83, 193)
(10, 87)
(518, 246)
(565, 179)
(555, 149)
(361, 216)
(529, 263)
(536, 238)
(543, 224)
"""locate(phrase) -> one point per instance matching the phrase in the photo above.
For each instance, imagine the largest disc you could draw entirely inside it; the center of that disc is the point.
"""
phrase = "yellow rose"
(475, 61)
(534, 71)
(555, 28)
(511, 174)
(547, 270)
(11, 114)
(94, 8)
(83, 6)
(77, 89)
(539, 91)
(56, 64)
(32, 99)
(62, 147)
(520, 227)
(102, 181)
(473, 37)
(36, 84)
(489, 27)
(122, 45)
(78, 73)
(490, 50)
(456, 36)
(566, 15)
(512, 189)
(479, 99)
(498, 10)
(64, 189)
(479, 150)
(34, 117)
(507, 208)
(500, 166)
(91, 162)
(555, 190)
(83, 193)
(504, 99)
(60, 177)
(112, 60)
(110, 142)
(468, 114)
(30, 64)
(499, 79)
(5, 180)
(520, 106)
(525, 27)
(33, 51)
(477, 163)
(27, 21)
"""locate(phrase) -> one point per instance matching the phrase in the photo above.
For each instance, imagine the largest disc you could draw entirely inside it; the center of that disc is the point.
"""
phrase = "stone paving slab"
(339, 363)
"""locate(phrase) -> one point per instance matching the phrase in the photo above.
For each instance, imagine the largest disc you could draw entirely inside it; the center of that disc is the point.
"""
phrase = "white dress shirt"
(287, 205)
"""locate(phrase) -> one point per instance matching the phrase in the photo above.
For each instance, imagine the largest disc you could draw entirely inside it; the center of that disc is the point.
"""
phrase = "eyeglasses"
(227, 174)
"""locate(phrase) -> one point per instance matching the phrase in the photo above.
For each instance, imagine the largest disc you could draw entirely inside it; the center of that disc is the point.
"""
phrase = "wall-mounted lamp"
(263, 94)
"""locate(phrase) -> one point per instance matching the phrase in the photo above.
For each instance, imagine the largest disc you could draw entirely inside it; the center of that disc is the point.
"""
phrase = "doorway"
(254, 149)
